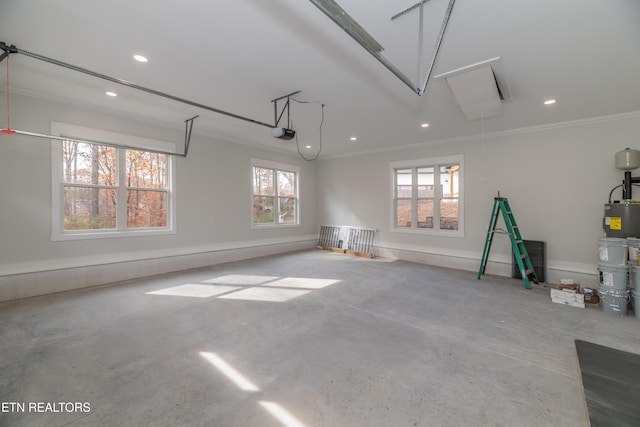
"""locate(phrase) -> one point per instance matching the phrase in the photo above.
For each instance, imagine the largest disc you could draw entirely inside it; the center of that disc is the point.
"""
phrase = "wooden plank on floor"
(329, 248)
(361, 254)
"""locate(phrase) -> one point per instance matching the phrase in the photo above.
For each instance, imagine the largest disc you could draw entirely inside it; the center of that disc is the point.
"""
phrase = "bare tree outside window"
(146, 189)
(92, 179)
(275, 196)
(89, 177)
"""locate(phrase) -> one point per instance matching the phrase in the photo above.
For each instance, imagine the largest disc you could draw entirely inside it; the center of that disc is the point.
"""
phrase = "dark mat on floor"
(611, 380)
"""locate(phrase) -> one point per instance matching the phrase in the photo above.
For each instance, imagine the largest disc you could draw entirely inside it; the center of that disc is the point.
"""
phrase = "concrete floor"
(311, 338)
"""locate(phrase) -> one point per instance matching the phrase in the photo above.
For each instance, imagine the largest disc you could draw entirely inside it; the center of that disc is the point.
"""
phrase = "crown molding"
(508, 132)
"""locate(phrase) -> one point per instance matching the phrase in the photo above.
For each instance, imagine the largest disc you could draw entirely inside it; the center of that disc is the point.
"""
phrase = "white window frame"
(435, 162)
(284, 167)
(58, 233)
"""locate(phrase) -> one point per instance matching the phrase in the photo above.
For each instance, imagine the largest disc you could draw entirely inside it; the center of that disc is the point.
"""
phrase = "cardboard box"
(560, 295)
(591, 296)
(591, 299)
(570, 303)
(573, 287)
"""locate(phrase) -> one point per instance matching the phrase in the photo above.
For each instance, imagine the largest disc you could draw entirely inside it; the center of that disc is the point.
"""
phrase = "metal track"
(12, 49)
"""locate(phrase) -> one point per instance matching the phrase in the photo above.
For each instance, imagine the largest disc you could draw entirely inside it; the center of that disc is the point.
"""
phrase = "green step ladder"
(501, 204)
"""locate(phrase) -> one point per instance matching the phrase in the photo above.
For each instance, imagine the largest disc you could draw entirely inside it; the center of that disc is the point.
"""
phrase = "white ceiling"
(238, 55)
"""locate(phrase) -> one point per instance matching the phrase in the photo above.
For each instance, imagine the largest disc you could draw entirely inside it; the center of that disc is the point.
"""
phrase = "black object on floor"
(537, 253)
(611, 380)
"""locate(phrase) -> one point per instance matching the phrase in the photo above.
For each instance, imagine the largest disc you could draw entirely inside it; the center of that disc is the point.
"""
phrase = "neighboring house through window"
(427, 195)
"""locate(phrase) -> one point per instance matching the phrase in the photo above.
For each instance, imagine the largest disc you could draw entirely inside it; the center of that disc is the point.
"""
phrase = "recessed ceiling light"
(108, 93)
(140, 58)
(549, 102)
(307, 146)
(353, 138)
(424, 125)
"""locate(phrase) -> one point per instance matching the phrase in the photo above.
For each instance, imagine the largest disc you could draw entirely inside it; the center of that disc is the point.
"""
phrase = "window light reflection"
(227, 370)
(281, 414)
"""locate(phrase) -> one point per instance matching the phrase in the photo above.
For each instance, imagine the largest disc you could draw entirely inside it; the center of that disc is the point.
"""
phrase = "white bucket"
(614, 276)
(613, 251)
(636, 303)
(634, 249)
(634, 277)
(613, 301)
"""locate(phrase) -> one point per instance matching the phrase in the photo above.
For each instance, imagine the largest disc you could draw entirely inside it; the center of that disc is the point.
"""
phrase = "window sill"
(272, 226)
(89, 235)
(429, 232)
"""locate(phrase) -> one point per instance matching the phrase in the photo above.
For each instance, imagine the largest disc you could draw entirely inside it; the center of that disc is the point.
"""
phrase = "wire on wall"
(315, 157)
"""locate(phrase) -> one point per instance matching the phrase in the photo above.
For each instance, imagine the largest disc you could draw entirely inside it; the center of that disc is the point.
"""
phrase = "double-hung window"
(108, 191)
(274, 198)
(427, 195)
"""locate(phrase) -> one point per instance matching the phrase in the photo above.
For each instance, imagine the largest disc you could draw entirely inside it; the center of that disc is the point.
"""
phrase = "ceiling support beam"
(276, 117)
(338, 15)
(188, 127)
(409, 9)
(443, 28)
(364, 39)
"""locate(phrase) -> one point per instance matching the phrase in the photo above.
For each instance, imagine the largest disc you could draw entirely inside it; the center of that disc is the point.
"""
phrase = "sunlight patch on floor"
(249, 287)
(266, 294)
(195, 290)
(241, 279)
(302, 282)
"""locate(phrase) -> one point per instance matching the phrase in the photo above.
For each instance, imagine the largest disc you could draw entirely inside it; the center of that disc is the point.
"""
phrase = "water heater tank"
(621, 220)
(627, 159)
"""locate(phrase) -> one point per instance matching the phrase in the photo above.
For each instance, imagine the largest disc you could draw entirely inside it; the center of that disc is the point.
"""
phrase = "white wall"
(556, 178)
(213, 209)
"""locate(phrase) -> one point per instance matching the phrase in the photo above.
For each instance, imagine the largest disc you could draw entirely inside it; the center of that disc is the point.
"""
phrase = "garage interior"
(221, 308)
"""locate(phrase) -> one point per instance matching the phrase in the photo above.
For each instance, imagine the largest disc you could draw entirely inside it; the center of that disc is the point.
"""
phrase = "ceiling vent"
(479, 89)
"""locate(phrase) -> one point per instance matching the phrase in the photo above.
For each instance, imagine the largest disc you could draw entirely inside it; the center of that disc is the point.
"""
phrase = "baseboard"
(64, 275)
(23, 281)
(586, 274)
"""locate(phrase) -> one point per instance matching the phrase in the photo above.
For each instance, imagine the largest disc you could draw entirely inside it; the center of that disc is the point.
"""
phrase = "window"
(106, 191)
(427, 195)
(274, 197)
